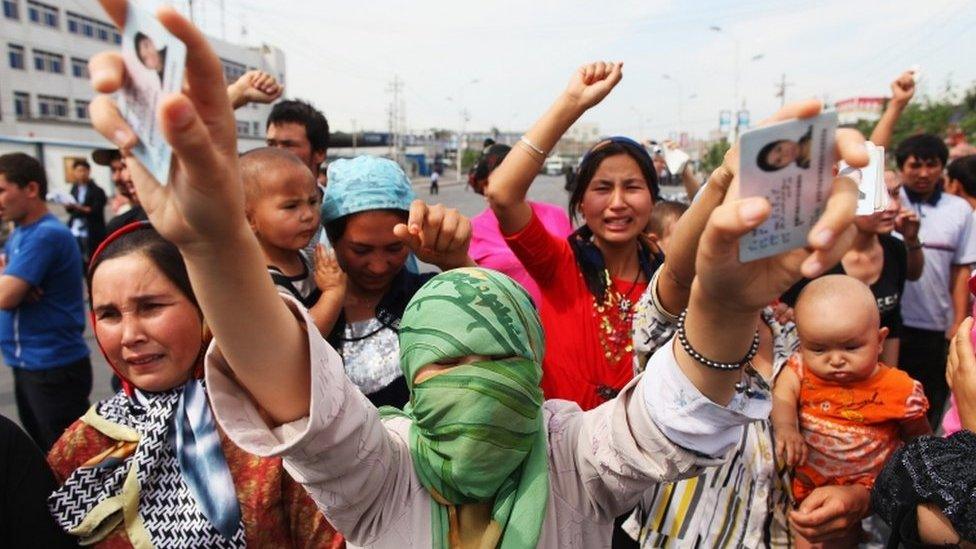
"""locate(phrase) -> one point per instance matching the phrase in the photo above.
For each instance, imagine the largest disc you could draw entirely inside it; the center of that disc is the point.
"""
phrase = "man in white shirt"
(934, 305)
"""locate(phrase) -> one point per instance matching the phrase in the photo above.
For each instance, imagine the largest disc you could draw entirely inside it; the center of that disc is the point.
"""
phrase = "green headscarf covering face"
(477, 432)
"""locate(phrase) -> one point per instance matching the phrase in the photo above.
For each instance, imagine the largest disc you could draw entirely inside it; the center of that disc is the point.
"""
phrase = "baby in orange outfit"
(838, 413)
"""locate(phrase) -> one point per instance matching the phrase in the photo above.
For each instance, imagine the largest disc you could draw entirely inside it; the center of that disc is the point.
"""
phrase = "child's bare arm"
(331, 281)
(790, 445)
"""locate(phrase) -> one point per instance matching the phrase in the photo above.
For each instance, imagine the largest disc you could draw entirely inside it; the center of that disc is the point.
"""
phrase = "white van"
(553, 166)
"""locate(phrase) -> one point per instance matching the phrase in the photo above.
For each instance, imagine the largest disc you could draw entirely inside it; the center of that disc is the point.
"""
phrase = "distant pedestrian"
(42, 320)
(434, 178)
(87, 214)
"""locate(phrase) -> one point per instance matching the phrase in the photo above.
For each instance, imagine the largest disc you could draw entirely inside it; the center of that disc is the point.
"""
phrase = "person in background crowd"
(149, 466)
(663, 219)
(282, 204)
(882, 262)
(42, 320)
(25, 482)
(367, 204)
(687, 176)
(934, 305)
(123, 187)
(379, 479)
(86, 217)
(434, 178)
(958, 145)
(488, 246)
(961, 179)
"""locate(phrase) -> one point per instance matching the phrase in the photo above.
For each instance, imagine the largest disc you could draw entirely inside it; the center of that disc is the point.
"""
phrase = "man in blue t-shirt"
(42, 310)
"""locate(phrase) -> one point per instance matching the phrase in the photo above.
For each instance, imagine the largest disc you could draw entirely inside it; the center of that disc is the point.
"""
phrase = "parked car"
(553, 166)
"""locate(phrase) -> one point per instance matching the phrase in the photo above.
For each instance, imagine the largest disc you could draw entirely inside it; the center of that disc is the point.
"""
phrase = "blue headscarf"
(365, 183)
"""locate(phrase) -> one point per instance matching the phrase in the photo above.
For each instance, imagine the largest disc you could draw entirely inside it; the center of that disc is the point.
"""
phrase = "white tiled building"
(44, 88)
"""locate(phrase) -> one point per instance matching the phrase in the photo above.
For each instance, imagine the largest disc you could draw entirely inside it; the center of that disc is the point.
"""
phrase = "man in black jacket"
(87, 215)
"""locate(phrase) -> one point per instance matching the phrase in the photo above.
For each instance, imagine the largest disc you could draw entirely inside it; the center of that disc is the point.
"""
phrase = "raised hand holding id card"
(154, 63)
(791, 165)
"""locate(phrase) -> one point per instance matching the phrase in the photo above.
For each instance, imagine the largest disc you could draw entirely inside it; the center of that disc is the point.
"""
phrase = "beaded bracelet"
(727, 366)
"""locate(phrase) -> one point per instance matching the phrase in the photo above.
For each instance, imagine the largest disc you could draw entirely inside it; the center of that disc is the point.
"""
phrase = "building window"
(52, 107)
(15, 54)
(256, 128)
(92, 28)
(22, 105)
(243, 128)
(79, 68)
(232, 70)
(48, 62)
(81, 109)
(42, 14)
(10, 9)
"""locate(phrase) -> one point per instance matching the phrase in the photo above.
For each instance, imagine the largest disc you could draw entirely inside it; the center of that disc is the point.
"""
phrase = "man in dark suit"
(87, 216)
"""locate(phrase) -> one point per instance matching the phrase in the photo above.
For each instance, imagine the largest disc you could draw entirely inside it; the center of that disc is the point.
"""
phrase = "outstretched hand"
(199, 125)
(747, 287)
(436, 235)
(591, 83)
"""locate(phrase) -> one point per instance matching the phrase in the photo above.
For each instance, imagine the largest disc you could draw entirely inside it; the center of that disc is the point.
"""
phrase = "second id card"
(790, 164)
(154, 62)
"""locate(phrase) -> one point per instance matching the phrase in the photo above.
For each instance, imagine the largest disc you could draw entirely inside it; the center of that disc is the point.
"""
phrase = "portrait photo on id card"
(154, 63)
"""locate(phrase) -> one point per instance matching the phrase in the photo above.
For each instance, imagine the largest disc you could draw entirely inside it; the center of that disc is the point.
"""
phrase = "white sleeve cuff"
(690, 419)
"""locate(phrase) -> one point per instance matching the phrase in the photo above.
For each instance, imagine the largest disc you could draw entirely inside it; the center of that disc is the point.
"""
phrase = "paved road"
(545, 189)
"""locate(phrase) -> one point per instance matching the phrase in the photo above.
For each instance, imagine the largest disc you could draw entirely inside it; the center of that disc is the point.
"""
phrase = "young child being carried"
(838, 413)
(282, 203)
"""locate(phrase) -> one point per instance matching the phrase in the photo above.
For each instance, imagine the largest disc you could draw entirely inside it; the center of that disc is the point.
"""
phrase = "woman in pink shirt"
(488, 246)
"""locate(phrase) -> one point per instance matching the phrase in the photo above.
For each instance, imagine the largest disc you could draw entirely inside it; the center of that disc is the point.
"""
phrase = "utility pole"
(781, 89)
(354, 137)
(396, 118)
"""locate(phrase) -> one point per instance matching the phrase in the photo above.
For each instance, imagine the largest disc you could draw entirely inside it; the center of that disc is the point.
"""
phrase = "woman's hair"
(596, 156)
(762, 161)
(162, 253)
(337, 227)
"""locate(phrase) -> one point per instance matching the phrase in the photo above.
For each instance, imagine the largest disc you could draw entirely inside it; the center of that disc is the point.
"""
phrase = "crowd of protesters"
(287, 377)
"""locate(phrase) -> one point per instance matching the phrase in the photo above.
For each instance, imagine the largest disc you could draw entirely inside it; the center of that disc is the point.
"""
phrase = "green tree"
(713, 157)
(932, 115)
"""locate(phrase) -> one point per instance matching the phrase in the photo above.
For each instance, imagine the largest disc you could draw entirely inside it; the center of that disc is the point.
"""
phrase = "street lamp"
(735, 87)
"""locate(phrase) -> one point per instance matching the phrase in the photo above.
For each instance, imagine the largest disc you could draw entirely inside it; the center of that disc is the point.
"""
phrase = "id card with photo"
(154, 62)
(790, 164)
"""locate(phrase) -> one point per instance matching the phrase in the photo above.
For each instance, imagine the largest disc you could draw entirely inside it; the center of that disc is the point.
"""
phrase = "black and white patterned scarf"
(162, 498)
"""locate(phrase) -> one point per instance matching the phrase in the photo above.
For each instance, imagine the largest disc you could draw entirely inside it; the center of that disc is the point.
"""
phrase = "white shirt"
(947, 233)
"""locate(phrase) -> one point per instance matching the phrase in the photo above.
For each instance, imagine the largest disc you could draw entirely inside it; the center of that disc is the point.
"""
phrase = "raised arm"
(509, 182)
(727, 295)
(254, 87)
(201, 210)
(902, 91)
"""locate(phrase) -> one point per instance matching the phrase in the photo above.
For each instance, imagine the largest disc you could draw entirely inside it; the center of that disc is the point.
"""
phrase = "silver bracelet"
(532, 146)
(727, 366)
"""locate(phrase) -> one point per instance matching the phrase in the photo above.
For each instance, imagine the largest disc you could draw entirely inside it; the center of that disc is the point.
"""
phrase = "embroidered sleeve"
(653, 326)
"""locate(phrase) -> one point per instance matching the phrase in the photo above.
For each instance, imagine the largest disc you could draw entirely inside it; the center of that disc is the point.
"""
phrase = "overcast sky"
(343, 55)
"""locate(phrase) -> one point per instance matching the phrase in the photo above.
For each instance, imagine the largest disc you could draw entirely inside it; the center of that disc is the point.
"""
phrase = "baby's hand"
(790, 446)
(329, 276)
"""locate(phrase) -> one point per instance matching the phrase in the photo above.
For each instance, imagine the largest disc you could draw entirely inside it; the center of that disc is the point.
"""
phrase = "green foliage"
(713, 157)
(468, 158)
(933, 115)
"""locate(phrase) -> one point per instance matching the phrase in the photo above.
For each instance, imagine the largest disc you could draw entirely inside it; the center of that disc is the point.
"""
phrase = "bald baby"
(839, 327)
(269, 169)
